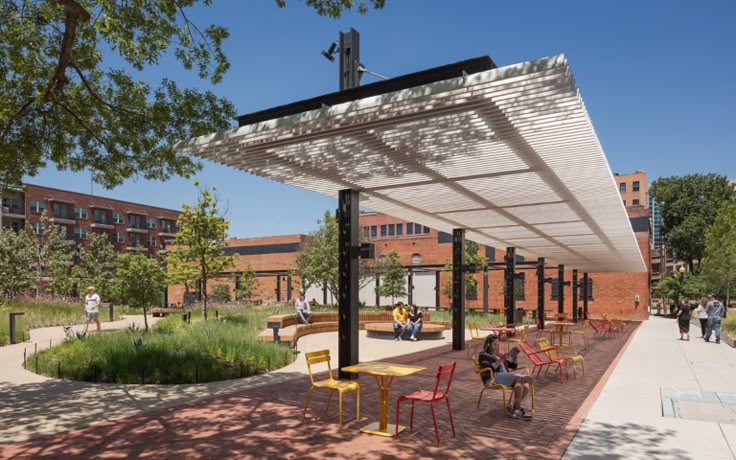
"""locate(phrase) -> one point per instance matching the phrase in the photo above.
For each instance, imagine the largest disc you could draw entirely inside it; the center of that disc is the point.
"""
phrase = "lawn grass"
(171, 352)
(47, 313)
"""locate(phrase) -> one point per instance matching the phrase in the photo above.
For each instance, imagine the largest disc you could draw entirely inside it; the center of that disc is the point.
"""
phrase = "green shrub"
(728, 324)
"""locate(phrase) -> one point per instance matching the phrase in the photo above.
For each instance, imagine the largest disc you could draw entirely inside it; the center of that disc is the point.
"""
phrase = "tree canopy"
(393, 281)
(689, 205)
(70, 95)
(139, 281)
(719, 263)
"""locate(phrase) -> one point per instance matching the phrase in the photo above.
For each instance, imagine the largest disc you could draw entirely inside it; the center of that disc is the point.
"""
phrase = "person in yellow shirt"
(401, 320)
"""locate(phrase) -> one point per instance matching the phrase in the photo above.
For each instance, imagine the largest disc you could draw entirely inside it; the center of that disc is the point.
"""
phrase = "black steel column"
(585, 295)
(347, 305)
(575, 296)
(437, 290)
(540, 291)
(324, 293)
(378, 284)
(278, 288)
(485, 290)
(410, 286)
(509, 298)
(458, 289)
(560, 288)
(288, 287)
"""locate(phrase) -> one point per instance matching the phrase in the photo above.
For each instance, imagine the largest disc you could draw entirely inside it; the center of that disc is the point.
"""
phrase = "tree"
(678, 285)
(689, 205)
(201, 240)
(719, 262)
(394, 278)
(17, 250)
(475, 262)
(247, 284)
(55, 258)
(221, 293)
(319, 257)
(139, 282)
(96, 265)
(60, 103)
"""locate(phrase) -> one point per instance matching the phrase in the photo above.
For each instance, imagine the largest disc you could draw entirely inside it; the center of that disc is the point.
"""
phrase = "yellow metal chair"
(554, 353)
(492, 385)
(583, 332)
(331, 384)
(521, 336)
(475, 338)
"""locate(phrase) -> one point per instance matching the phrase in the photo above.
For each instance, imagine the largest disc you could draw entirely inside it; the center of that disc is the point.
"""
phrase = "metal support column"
(347, 266)
(485, 290)
(349, 59)
(410, 287)
(288, 287)
(585, 295)
(437, 290)
(458, 289)
(540, 291)
(324, 293)
(575, 296)
(278, 288)
(378, 284)
(509, 298)
(560, 288)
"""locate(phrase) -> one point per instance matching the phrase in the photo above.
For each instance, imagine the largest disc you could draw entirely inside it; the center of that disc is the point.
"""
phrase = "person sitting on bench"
(303, 309)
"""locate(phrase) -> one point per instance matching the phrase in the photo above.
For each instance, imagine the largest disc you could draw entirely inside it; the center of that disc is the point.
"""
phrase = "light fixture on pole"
(330, 52)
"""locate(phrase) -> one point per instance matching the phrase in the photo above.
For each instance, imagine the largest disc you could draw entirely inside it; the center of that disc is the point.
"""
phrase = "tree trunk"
(145, 317)
(204, 295)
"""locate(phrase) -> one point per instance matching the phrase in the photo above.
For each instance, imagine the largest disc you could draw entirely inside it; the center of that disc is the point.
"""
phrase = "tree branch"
(89, 131)
(74, 13)
(97, 97)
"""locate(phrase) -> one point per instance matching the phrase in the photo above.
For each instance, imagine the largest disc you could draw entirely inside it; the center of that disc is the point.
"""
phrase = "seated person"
(415, 321)
(401, 320)
(303, 309)
(521, 383)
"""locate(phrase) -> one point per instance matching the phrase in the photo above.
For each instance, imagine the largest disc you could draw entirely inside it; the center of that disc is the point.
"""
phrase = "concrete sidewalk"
(666, 399)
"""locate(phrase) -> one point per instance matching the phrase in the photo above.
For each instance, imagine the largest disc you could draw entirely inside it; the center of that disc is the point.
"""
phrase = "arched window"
(416, 259)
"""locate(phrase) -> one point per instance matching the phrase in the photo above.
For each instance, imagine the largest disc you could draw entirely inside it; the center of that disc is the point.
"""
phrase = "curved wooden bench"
(430, 331)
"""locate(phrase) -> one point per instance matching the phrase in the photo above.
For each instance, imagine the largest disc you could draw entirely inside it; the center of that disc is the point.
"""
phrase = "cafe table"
(385, 373)
(500, 331)
(561, 327)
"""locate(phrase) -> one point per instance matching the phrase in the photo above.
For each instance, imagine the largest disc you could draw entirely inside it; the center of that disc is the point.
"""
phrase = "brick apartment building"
(129, 226)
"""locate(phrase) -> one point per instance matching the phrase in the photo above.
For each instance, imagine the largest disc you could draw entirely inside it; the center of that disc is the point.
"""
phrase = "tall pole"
(509, 297)
(349, 59)
(347, 265)
(575, 296)
(485, 290)
(585, 295)
(540, 291)
(458, 289)
(410, 286)
(561, 288)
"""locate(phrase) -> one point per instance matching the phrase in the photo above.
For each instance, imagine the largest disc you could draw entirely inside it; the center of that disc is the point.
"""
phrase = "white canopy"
(508, 154)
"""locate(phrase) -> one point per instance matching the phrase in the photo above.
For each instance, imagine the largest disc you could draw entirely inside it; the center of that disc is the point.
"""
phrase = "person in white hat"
(92, 308)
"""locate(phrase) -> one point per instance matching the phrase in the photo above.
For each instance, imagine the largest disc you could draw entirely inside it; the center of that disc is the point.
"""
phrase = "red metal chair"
(444, 373)
(541, 331)
(539, 363)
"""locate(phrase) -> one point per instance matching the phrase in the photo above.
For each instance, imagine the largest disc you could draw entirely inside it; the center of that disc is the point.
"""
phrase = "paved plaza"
(644, 395)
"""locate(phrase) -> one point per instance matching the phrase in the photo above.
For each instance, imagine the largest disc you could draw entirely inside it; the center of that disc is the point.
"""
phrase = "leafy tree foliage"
(96, 265)
(61, 103)
(17, 250)
(393, 281)
(719, 263)
(139, 282)
(473, 259)
(55, 258)
(689, 205)
(221, 293)
(248, 284)
(201, 240)
(676, 285)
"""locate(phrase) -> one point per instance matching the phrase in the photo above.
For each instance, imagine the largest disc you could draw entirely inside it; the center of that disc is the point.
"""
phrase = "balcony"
(16, 212)
(102, 224)
(62, 220)
(137, 228)
(137, 248)
(167, 233)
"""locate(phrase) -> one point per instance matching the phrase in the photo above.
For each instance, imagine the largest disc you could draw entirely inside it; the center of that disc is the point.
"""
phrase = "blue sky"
(657, 77)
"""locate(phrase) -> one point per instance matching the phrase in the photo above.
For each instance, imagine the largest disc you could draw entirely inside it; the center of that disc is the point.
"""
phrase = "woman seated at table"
(521, 383)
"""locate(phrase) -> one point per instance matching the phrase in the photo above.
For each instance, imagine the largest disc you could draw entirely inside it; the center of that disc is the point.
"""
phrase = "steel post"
(458, 289)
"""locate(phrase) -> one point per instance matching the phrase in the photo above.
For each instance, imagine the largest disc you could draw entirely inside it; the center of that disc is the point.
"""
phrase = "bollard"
(111, 313)
(58, 369)
(189, 317)
(217, 314)
(24, 358)
(12, 326)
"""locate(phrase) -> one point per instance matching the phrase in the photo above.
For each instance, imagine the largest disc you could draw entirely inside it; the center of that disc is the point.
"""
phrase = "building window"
(622, 187)
(80, 233)
(366, 232)
(152, 241)
(635, 203)
(635, 186)
(520, 286)
(409, 228)
(374, 231)
(133, 240)
(119, 237)
(80, 213)
(12, 205)
(37, 228)
(426, 230)
(135, 221)
(383, 230)
(417, 229)
(416, 259)
(38, 206)
(99, 216)
(391, 230)
(150, 222)
(399, 229)
(590, 290)
(59, 210)
(118, 218)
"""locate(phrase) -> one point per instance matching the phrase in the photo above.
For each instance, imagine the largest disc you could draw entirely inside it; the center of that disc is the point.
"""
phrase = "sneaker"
(718, 340)
(519, 414)
(396, 339)
(413, 339)
(706, 340)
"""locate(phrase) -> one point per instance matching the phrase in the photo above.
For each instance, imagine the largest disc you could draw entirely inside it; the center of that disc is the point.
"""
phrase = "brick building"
(129, 226)
(633, 188)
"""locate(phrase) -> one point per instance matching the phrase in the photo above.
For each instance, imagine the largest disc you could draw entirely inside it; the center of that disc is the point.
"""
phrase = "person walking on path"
(683, 319)
(401, 320)
(715, 312)
(92, 309)
(303, 309)
(703, 316)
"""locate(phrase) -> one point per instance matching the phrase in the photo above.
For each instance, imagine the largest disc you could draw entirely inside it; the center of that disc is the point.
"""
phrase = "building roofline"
(102, 197)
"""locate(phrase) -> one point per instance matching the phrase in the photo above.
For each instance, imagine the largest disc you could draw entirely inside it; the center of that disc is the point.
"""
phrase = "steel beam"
(458, 289)
(485, 290)
(585, 295)
(540, 291)
(560, 288)
(509, 298)
(410, 287)
(347, 266)
(575, 296)
(437, 290)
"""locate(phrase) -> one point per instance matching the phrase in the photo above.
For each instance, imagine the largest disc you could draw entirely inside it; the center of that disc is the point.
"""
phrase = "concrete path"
(33, 405)
(666, 399)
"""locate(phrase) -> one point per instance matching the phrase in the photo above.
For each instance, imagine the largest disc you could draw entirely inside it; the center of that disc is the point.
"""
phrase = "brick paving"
(264, 422)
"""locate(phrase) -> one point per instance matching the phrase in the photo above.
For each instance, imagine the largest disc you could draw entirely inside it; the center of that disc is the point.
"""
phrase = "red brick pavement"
(264, 422)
